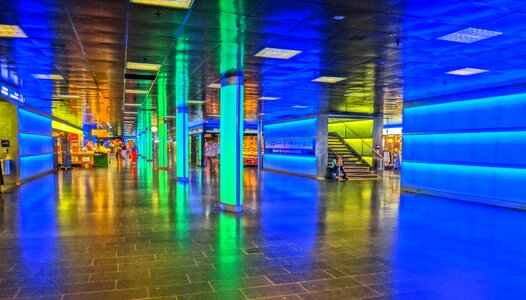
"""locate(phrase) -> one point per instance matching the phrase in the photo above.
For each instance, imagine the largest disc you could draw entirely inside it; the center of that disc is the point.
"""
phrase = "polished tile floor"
(136, 233)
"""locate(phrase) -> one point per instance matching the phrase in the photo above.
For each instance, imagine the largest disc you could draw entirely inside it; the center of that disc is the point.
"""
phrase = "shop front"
(207, 135)
(392, 146)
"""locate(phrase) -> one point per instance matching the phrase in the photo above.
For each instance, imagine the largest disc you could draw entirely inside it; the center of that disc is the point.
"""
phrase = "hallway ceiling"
(366, 42)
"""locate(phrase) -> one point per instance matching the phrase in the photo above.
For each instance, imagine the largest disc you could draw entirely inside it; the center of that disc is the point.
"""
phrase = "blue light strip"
(35, 165)
(33, 123)
(297, 128)
(472, 148)
(35, 144)
(489, 148)
(480, 181)
(32, 144)
(303, 165)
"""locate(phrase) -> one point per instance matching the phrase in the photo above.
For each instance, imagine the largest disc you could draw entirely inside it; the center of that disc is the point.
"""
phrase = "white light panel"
(329, 79)
(142, 66)
(48, 76)
(144, 92)
(214, 85)
(469, 35)
(467, 71)
(11, 31)
(185, 4)
(277, 53)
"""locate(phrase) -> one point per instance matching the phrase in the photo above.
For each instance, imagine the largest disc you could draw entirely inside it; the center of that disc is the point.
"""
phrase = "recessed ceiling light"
(195, 102)
(214, 85)
(467, 71)
(11, 31)
(144, 92)
(132, 104)
(142, 66)
(469, 35)
(269, 98)
(338, 18)
(48, 76)
(300, 106)
(277, 53)
(168, 3)
(328, 79)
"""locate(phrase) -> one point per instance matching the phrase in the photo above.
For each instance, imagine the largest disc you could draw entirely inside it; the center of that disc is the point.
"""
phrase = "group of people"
(211, 155)
(129, 150)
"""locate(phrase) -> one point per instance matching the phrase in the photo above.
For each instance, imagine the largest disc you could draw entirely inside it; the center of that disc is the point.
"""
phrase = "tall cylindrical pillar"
(231, 144)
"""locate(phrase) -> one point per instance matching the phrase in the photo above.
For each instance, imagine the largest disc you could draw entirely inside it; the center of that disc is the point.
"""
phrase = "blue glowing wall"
(470, 149)
(298, 164)
(35, 144)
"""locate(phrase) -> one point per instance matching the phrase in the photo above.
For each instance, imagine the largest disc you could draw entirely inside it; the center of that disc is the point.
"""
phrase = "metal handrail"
(363, 141)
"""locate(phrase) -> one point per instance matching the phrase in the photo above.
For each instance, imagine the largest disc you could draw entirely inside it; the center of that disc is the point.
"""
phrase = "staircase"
(355, 167)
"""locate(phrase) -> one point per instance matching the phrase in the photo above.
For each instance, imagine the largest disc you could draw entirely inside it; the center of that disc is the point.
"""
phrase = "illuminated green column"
(181, 137)
(162, 132)
(231, 143)
(181, 118)
(149, 133)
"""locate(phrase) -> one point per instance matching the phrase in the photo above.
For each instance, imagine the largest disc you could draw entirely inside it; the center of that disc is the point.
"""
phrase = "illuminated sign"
(11, 94)
(291, 146)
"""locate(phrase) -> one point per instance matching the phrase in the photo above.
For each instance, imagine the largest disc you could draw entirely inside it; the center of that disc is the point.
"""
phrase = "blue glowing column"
(231, 144)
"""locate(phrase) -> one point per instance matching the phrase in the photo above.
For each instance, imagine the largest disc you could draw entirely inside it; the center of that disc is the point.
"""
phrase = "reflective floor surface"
(137, 233)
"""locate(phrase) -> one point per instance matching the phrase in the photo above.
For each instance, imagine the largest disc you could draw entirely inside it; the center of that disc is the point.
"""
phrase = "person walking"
(118, 151)
(133, 153)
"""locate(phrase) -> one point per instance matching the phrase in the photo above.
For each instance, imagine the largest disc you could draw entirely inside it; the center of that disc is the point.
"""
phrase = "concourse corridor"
(123, 233)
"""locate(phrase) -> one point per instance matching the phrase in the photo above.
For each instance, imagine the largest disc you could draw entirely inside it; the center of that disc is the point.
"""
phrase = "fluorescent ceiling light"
(11, 31)
(268, 98)
(214, 85)
(168, 3)
(48, 76)
(467, 71)
(132, 104)
(68, 96)
(142, 66)
(131, 112)
(469, 35)
(300, 106)
(144, 92)
(195, 102)
(328, 79)
(277, 53)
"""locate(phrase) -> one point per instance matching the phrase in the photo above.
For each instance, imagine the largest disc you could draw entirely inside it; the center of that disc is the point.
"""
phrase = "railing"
(373, 151)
